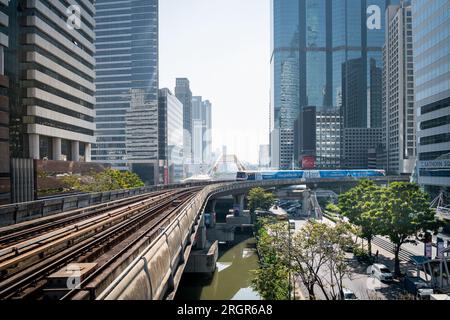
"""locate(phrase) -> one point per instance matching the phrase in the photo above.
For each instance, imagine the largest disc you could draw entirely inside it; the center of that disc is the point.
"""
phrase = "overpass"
(135, 247)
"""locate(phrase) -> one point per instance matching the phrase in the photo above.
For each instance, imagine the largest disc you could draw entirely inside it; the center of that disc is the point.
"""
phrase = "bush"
(361, 255)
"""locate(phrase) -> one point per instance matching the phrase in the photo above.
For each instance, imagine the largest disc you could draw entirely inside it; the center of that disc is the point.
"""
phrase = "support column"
(201, 235)
(87, 154)
(238, 207)
(305, 204)
(56, 148)
(33, 140)
(75, 151)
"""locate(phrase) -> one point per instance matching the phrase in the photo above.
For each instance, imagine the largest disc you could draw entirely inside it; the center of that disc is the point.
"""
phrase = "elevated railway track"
(135, 247)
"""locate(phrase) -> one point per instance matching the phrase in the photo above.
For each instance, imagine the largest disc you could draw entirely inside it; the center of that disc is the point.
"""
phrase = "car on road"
(348, 294)
(380, 272)
(292, 224)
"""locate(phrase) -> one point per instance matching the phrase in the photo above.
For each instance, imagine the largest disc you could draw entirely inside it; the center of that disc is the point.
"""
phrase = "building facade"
(207, 131)
(50, 65)
(399, 127)
(5, 176)
(171, 147)
(264, 156)
(431, 42)
(358, 145)
(184, 94)
(318, 135)
(127, 86)
(335, 48)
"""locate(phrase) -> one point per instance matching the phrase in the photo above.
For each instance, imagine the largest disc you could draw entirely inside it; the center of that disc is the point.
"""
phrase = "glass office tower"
(431, 43)
(338, 57)
(127, 86)
(5, 177)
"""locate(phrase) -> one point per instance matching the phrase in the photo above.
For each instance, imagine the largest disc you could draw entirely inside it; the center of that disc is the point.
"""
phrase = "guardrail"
(26, 211)
(21, 212)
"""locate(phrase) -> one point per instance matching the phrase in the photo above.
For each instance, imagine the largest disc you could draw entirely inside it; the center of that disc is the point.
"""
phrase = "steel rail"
(87, 288)
(26, 277)
(48, 243)
(22, 234)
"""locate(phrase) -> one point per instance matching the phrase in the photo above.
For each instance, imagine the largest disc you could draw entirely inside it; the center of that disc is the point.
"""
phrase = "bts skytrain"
(307, 174)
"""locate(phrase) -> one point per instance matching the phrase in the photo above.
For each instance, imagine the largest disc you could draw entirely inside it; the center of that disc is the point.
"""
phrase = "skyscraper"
(207, 131)
(431, 43)
(127, 86)
(198, 126)
(170, 113)
(5, 178)
(336, 49)
(184, 94)
(398, 92)
(50, 65)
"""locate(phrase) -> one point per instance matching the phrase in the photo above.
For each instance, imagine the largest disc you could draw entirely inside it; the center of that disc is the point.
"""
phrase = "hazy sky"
(223, 47)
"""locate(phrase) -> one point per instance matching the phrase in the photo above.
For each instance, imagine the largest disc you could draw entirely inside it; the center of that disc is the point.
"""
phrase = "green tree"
(271, 279)
(361, 205)
(259, 199)
(107, 180)
(317, 250)
(406, 213)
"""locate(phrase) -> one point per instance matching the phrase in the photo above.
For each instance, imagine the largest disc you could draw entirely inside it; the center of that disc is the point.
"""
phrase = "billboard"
(308, 162)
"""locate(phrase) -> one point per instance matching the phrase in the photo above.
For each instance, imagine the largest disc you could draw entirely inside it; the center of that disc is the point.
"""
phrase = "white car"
(347, 294)
(380, 272)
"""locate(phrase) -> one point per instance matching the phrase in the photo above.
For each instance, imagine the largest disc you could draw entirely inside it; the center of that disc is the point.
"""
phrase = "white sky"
(223, 47)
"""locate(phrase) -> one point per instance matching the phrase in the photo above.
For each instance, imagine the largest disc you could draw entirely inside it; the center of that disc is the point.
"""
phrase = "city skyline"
(220, 61)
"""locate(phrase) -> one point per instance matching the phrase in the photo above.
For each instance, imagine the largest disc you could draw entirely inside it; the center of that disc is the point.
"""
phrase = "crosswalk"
(404, 254)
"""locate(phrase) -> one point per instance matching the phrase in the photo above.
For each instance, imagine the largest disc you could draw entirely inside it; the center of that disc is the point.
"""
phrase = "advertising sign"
(308, 162)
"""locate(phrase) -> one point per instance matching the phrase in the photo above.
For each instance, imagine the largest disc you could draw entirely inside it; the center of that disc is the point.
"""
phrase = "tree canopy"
(259, 199)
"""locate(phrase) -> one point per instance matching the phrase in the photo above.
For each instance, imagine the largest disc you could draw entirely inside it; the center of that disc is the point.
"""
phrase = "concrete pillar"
(239, 201)
(75, 151)
(56, 148)
(305, 204)
(87, 151)
(201, 235)
(33, 140)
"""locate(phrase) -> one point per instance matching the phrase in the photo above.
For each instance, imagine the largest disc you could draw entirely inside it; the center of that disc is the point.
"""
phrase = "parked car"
(380, 272)
(418, 287)
(292, 224)
(348, 294)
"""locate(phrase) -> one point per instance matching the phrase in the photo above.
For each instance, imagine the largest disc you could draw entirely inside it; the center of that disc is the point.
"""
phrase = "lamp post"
(290, 287)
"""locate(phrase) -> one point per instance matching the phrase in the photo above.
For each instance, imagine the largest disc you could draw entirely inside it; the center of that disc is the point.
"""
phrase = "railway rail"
(99, 237)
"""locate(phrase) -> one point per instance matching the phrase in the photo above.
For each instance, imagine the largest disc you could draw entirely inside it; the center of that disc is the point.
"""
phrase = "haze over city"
(223, 47)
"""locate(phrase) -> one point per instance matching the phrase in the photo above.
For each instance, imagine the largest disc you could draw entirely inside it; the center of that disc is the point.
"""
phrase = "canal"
(231, 280)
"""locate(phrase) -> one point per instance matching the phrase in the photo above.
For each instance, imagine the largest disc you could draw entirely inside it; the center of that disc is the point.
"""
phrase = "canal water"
(231, 280)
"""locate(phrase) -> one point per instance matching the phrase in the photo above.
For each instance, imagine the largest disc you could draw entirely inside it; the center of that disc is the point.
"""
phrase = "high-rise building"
(170, 113)
(264, 156)
(197, 129)
(50, 65)
(358, 145)
(399, 133)
(326, 54)
(126, 69)
(431, 44)
(318, 135)
(207, 131)
(5, 178)
(184, 94)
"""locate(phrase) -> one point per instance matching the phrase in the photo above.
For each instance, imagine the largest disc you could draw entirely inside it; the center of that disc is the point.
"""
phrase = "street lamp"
(290, 287)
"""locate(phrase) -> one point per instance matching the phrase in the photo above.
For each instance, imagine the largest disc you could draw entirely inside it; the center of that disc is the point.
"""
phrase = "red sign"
(308, 162)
